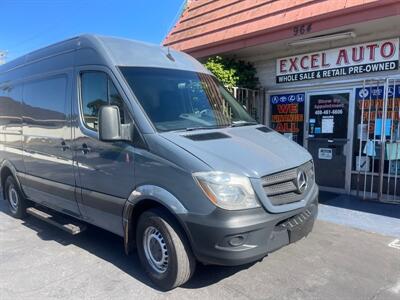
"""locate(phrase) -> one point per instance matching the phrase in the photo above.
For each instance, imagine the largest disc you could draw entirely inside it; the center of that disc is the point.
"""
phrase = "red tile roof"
(208, 27)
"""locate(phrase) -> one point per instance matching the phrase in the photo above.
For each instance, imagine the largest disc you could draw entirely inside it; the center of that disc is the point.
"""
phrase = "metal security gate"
(377, 140)
(253, 100)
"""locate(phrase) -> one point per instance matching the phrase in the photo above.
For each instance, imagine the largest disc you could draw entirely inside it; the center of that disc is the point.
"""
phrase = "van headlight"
(227, 191)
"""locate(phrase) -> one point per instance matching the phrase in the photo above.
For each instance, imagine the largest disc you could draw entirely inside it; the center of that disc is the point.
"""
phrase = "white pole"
(3, 55)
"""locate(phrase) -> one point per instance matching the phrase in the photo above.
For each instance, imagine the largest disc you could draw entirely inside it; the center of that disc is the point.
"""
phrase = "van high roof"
(106, 50)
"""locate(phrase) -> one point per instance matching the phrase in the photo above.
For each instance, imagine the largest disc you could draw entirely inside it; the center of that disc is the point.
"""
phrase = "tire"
(16, 201)
(163, 250)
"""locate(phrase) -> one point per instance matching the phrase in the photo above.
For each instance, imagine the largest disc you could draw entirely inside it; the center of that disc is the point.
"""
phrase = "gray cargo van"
(144, 142)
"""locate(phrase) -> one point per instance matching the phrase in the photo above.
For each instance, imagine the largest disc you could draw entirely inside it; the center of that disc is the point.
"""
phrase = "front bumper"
(236, 238)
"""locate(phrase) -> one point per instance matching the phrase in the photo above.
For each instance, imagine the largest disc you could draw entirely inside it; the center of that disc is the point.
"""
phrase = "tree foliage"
(232, 72)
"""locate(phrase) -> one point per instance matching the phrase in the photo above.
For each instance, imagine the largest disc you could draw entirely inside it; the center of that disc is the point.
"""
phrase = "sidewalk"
(366, 215)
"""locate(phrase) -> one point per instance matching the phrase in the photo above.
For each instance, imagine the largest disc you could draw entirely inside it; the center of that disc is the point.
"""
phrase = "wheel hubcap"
(13, 198)
(155, 249)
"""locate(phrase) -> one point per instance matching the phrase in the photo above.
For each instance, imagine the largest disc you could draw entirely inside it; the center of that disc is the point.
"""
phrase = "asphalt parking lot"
(38, 261)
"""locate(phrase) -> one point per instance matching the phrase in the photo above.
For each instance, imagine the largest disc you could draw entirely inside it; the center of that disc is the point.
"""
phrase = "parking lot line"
(395, 244)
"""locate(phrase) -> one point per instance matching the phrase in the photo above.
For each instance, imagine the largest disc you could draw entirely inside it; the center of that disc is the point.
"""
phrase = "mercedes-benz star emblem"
(301, 182)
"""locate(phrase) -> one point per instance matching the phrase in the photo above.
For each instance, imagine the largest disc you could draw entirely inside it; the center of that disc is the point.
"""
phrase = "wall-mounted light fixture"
(324, 38)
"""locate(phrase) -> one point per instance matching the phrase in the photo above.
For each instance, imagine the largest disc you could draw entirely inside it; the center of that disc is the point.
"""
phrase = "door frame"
(350, 131)
(86, 195)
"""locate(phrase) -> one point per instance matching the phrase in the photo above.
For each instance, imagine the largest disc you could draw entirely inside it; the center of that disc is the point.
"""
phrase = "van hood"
(244, 150)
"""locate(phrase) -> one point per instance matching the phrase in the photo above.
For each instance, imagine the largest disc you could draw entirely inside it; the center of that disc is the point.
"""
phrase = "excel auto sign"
(359, 59)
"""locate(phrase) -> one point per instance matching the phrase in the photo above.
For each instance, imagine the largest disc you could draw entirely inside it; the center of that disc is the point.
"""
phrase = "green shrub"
(233, 73)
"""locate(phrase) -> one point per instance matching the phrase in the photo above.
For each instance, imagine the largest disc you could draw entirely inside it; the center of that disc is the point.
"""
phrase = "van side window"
(115, 99)
(10, 107)
(97, 90)
(94, 95)
(44, 102)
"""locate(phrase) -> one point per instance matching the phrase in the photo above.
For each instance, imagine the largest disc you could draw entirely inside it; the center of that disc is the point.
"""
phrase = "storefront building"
(331, 72)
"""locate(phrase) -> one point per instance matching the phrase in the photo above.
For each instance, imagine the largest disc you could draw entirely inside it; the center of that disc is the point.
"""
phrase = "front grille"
(281, 188)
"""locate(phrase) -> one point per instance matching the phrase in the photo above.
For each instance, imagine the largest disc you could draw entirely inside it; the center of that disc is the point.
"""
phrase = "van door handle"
(85, 149)
(64, 146)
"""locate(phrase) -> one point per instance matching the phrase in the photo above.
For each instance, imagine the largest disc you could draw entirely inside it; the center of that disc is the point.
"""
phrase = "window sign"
(328, 116)
(387, 127)
(370, 104)
(370, 126)
(288, 115)
(325, 153)
(364, 58)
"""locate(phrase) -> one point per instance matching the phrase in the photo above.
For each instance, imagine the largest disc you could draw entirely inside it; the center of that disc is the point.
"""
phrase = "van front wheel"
(16, 201)
(163, 250)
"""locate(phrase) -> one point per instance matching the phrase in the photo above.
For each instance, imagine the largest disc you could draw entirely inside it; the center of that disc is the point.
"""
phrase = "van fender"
(7, 164)
(145, 193)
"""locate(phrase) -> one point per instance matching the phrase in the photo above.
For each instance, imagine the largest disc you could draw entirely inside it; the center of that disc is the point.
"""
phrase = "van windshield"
(184, 100)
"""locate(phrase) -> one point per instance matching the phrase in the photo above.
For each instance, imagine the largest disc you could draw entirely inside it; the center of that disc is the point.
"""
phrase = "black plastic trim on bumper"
(257, 233)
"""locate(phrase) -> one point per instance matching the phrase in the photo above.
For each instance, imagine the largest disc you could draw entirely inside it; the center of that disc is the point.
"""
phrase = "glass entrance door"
(327, 137)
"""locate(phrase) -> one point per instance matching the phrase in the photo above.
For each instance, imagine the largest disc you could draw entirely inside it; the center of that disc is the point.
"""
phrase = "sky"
(28, 25)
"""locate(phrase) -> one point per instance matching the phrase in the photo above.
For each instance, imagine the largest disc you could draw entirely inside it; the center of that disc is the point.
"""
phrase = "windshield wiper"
(243, 123)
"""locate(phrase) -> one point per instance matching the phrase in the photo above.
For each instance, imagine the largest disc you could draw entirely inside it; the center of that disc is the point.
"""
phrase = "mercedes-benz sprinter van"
(144, 142)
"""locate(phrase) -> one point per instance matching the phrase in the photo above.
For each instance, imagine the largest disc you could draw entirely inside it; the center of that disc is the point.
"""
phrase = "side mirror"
(109, 123)
(110, 128)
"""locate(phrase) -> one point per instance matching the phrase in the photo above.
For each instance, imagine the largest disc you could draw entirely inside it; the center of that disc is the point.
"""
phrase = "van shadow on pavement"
(110, 247)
